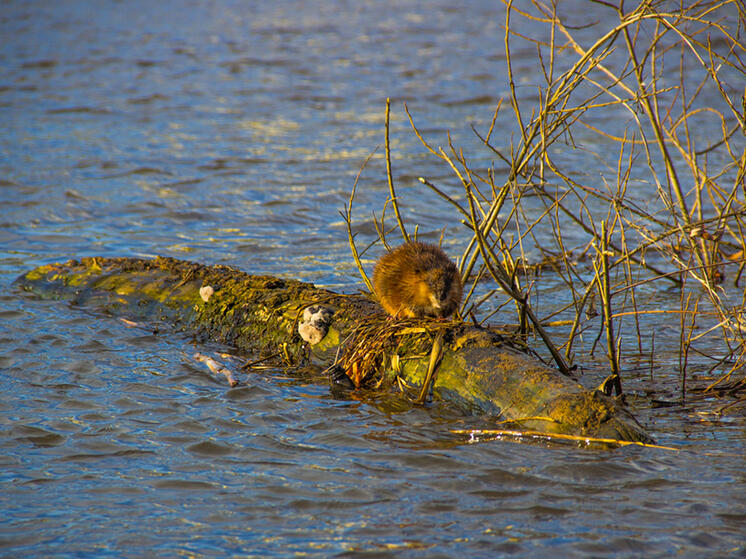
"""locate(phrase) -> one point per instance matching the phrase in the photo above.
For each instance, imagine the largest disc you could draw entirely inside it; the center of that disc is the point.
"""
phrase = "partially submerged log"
(480, 371)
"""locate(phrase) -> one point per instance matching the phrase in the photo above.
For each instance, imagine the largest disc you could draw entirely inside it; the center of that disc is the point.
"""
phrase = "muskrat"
(417, 280)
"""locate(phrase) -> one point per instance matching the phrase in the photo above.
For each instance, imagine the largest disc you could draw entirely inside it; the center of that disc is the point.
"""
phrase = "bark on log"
(481, 371)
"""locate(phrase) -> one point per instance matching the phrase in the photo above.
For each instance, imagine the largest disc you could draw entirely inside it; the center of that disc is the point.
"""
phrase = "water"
(231, 133)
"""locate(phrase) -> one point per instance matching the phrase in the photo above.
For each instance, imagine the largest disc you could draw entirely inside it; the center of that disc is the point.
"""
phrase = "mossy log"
(481, 371)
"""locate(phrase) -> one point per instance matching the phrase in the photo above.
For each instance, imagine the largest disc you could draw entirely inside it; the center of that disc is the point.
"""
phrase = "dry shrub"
(646, 87)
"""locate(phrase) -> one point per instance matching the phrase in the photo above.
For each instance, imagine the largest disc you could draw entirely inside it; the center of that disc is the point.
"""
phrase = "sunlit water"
(231, 133)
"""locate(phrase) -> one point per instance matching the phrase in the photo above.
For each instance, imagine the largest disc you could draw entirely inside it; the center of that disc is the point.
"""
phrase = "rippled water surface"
(231, 132)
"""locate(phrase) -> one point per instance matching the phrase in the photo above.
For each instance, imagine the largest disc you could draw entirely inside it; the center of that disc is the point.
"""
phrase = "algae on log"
(480, 370)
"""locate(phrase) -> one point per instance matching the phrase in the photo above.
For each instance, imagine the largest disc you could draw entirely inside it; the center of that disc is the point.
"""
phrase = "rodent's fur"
(416, 280)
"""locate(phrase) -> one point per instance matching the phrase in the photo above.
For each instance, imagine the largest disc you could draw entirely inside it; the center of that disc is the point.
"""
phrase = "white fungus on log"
(206, 292)
(315, 323)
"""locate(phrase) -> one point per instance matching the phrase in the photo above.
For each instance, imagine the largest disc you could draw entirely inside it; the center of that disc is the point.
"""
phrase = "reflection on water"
(231, 133)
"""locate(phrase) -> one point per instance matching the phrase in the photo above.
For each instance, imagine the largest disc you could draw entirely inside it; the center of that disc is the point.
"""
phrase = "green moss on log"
(481, 371)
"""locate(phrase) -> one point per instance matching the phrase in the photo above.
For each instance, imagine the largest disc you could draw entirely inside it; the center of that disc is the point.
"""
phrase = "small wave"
(90, 110)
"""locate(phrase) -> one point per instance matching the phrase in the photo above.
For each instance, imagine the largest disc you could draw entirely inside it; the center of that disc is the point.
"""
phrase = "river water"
(231, 132)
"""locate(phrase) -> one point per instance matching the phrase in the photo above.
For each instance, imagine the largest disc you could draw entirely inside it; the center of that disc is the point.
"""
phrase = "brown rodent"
(417, 280)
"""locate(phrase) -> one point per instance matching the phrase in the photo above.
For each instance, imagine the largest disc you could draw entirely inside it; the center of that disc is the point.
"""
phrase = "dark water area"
(231, 133)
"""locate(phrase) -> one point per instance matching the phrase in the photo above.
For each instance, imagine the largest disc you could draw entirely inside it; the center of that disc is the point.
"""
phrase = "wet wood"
(480, 371)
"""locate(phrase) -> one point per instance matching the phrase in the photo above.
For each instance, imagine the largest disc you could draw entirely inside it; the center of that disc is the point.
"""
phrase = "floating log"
(480, 371)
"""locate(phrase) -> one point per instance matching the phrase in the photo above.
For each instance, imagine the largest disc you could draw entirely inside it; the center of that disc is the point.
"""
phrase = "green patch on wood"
(481, 371)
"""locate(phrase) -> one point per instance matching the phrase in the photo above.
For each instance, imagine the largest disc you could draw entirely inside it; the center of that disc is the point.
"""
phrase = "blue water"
(231, 132)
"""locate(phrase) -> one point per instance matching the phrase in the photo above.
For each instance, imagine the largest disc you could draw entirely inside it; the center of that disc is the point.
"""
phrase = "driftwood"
(480, 371)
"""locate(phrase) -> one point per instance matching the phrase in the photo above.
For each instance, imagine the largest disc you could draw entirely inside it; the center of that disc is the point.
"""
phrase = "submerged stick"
(216, 368)
(475, 433)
